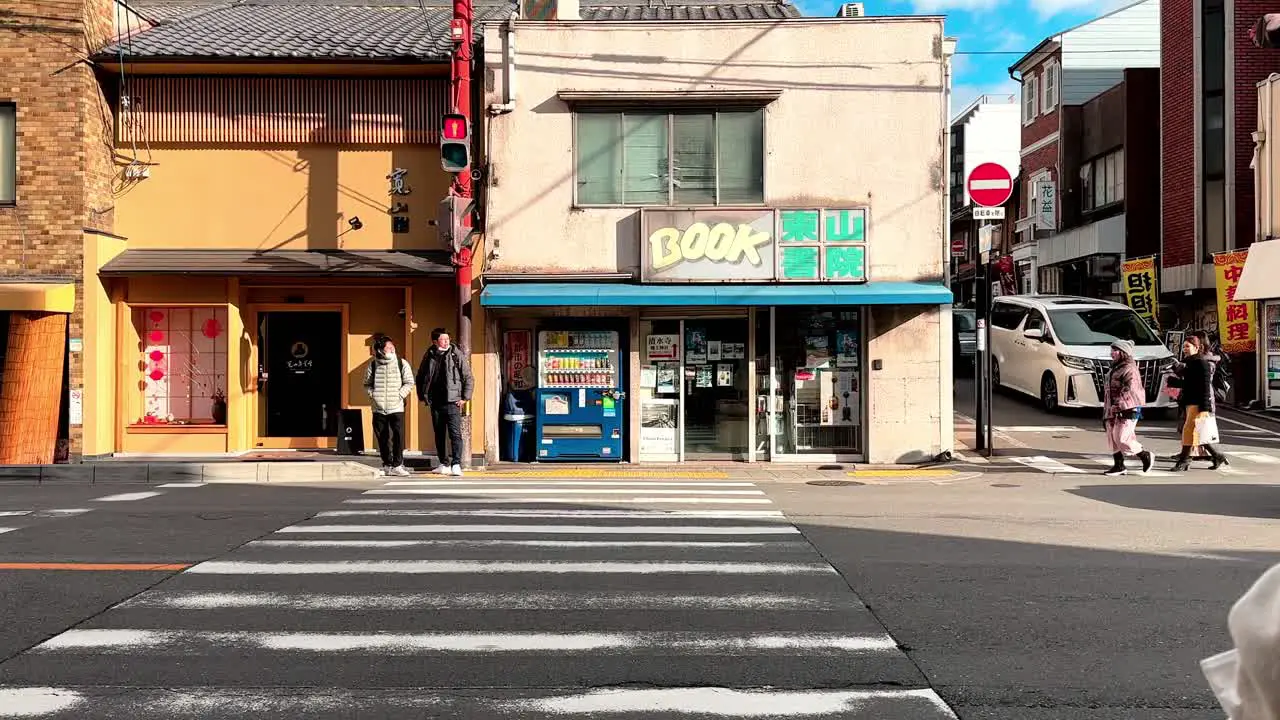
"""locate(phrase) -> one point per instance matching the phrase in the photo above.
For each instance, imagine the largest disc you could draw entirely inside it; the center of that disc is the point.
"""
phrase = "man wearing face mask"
(389, 380)
(444, 384)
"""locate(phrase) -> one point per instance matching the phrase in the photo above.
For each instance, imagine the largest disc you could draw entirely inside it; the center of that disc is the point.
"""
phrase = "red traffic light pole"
(460, 88)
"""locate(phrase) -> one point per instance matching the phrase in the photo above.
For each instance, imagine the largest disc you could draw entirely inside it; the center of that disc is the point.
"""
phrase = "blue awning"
(621, 294)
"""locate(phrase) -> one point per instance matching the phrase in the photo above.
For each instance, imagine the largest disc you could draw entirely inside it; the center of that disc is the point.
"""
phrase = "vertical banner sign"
(517, 350)
(1139, 278)
(1237, 326)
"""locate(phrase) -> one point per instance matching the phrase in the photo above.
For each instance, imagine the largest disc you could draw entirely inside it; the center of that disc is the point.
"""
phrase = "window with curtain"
(8, 154)
(184, 365)
(694, 158)
(1103, 180)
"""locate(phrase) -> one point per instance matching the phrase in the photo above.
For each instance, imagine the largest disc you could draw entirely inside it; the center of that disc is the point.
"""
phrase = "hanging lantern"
(156, 336)
(156, 316)
(212, 328)
(156, 356)
(157, 374)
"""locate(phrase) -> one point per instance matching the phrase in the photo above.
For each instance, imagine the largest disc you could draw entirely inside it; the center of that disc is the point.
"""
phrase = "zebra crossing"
(14, 520)
(1243, 464)
(493, 598)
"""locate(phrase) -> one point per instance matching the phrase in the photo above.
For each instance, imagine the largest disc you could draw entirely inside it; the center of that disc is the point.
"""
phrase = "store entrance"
(715, 389)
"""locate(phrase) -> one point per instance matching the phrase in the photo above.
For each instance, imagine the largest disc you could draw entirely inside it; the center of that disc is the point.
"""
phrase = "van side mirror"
(1033, 334)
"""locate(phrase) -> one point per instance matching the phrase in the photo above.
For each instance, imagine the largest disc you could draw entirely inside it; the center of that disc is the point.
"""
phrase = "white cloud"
(964, 94)
(1046, 9)
(933, 7)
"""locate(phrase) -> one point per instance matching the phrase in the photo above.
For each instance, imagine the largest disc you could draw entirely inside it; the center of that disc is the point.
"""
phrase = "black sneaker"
(1116, 471)
(1147, 461)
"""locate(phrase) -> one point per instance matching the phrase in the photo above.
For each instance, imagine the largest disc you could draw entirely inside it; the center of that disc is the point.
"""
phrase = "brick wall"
(64, 153)
(1177, 134)
(1252, 65)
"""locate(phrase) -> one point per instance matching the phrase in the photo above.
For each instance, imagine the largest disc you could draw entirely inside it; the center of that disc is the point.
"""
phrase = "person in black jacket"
(1196, 372)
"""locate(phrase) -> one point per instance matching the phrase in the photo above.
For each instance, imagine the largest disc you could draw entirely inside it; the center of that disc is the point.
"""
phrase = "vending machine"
(1271, 346)
(579, 395)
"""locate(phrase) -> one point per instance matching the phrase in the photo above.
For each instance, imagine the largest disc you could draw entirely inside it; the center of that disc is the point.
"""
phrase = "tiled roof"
(694, 12)
(316, 30)
(371, 29)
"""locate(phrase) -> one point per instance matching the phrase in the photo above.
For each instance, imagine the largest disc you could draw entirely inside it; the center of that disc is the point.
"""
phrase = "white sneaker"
(402, 471)
(383, 471)
(456, 471)
(443, 469)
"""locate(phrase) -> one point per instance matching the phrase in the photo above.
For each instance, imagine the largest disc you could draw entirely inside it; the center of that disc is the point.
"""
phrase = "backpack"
(1221, 384)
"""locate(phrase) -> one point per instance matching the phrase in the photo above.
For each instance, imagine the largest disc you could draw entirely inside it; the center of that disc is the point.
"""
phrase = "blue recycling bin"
(517, 431)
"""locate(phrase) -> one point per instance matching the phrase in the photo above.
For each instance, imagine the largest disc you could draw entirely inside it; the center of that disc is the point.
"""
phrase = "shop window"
(184, 365)
(1102, 181)
(1024, 277)
(712, 158)
(819, 356)
(8, 154)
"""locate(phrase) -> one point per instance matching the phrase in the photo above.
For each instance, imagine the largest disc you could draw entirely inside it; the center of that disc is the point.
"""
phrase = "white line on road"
(127, 497)
(1222, 418)
(1257, 457)
(560, 544)
(182, 485)
(480, 601)
(192, 641)
(456, 567)
(553, 491)
(558, 483)
(720, 702)
(1045, 464)
(772, 514)
(1037, 428)
(1104, 460)
(61, 512)
(4, 530)
(561, 501)
(15, 513)
(36, 701)
(548, 529)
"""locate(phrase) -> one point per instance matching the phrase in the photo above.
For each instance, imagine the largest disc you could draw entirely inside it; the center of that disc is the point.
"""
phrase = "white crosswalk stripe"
(1161, 469)
(494, 598)
(1131, 467)
(1045, 464)
(12, 521)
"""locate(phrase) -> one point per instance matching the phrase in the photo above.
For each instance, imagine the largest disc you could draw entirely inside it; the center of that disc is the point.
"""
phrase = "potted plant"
(219, 410)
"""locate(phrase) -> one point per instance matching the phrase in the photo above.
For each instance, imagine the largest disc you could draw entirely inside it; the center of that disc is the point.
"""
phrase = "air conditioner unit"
(851, 10)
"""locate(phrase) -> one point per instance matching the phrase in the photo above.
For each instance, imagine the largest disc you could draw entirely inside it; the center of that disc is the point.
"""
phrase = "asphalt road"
(1010, 592)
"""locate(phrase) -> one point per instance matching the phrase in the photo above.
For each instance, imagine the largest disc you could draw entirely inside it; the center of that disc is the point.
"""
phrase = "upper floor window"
(1029, 99)
(1102, 181)
(1049, 79)
(8, 154)
(635, 158)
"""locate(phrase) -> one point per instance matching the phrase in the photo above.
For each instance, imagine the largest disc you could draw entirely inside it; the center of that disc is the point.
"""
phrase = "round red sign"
(990, 185)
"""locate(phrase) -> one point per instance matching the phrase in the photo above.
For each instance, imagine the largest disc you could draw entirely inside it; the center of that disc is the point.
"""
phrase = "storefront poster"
(713, 350)
(663, 347)
(648, 376)
(555, 405)
(517, 350)
(702, 376)
(1173, 340)
(1237, 320)
(733, 351)
(724, 375)
(817, 351)
(840, 398)
(1139, 277)
(658, 424)
(695, 346)
(667, 377)
(847, 349)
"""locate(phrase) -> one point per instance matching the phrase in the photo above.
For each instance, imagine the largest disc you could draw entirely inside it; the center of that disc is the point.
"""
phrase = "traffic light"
(454, 222)
(455, 144)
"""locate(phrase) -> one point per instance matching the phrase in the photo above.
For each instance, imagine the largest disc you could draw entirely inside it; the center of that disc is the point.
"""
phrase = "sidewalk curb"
(155, 473)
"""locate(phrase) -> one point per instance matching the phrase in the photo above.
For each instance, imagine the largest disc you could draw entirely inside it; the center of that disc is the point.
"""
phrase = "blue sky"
(991, 34)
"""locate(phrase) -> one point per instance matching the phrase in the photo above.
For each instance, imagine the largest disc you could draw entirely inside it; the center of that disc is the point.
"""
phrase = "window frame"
(670, 115)
(12, 171)
(1030, 90)
(138, 318)
(1102, 181)
(1049, 85)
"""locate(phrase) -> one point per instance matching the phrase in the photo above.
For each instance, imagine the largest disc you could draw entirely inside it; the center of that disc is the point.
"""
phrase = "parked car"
(964, 346)
(1058, 348)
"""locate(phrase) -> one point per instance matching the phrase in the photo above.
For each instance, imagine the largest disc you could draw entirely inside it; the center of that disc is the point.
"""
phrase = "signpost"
(990, 185)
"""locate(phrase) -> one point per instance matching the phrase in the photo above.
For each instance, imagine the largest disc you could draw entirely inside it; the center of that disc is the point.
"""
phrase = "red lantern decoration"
(156, 336)
(211, 328)
(156, 356)
(156, 316)
(157, 374)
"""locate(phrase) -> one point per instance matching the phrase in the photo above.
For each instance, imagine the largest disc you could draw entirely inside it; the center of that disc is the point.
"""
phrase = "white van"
(1058, 348)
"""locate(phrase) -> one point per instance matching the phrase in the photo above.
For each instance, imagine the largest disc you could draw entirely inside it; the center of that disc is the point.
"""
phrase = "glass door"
(716, 389)
(660, 391)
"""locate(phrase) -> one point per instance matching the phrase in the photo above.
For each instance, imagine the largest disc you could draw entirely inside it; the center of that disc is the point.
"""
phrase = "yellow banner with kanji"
(1139, 278)
(1237, 320)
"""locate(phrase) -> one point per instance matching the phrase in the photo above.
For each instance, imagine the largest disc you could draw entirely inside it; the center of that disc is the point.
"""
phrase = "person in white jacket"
(389, 380)
(1246, 680)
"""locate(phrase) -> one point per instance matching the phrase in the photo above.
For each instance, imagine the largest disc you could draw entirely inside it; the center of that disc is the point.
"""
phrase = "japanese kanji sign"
(1139, 277)
(822, 244)
(1237, 320)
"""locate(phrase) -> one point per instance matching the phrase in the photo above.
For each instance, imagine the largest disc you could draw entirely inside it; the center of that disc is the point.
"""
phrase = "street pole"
(982, 358)
(460, 89)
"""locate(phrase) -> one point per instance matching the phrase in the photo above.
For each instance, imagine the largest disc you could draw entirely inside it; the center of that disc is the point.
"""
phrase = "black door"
(301, 364)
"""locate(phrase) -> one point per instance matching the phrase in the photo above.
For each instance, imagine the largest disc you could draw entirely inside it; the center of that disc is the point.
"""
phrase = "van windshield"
(1101, 326)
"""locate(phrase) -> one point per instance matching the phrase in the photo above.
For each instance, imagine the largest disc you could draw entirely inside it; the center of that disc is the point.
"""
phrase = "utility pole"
(460, 29)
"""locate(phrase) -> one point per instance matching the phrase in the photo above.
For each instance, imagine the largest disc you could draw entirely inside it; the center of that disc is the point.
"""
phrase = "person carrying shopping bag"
(389, 380)
(1197, 398)
(1122, 408)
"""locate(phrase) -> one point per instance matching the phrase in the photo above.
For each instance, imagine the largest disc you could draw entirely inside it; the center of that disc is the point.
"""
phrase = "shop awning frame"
(535, 294)
(1261, 268)
(281, 263)
(54, 297)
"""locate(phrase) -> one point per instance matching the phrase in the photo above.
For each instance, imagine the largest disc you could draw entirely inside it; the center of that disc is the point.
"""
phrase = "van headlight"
(1078, 363)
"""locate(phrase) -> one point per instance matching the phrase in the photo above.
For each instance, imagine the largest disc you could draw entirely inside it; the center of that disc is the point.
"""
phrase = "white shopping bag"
(1207, 430)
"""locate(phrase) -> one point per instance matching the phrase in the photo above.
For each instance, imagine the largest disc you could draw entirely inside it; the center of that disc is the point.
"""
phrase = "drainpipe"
(946, 410)
(510, 73)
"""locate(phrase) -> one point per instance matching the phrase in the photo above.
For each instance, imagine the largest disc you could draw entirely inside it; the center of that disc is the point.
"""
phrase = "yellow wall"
(99, 355)
(298, 199)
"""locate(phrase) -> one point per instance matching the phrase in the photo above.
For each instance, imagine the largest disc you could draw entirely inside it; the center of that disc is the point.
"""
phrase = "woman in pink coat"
(1122, 406)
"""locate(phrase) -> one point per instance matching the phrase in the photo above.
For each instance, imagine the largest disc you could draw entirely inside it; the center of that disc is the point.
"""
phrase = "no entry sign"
(990, 185)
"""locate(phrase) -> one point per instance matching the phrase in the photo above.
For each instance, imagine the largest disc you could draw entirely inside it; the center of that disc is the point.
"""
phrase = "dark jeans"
(448, 418)
(389, 432)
